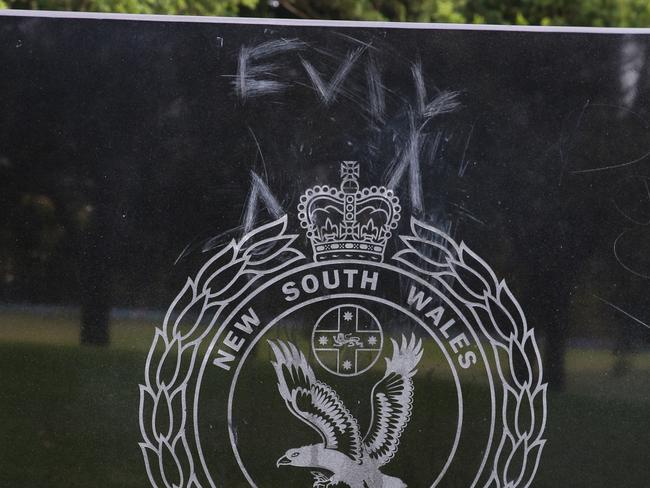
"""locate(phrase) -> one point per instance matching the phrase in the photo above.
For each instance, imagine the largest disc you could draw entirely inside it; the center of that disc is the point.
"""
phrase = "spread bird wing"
(392, 399)
(314, 402)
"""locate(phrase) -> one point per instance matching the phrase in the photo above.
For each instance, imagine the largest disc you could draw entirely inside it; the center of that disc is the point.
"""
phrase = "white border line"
(321, 23)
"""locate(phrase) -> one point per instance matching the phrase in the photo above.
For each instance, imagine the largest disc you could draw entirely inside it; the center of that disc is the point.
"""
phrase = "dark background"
(127, 156)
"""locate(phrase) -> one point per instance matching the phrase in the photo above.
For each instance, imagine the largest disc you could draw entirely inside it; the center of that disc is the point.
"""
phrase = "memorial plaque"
(323, 254)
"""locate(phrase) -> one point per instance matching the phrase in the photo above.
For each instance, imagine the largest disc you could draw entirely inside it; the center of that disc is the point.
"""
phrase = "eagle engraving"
(351, 458)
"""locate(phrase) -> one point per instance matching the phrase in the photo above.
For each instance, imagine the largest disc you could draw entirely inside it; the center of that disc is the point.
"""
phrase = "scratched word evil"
(346, 347)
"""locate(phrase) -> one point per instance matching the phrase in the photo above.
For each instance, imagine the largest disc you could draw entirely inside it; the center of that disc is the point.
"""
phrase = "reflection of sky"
(631, 69)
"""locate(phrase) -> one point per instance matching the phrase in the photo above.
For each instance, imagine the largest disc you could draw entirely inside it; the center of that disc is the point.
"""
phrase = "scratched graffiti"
(406, 136)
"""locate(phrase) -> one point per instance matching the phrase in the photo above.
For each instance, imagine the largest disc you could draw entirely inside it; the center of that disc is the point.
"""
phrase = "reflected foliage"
(599, 13)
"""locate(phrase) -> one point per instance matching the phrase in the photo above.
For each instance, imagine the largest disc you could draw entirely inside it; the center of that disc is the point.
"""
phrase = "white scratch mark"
(410, 160)
(420, 88)
(435, 146)
(367, 44)
(376, 93)
(627, 314)
(445, 102)
(620, 261)
(563, 158)
(612, 166)
(251, 67)
(328, 92)
(220, 239)
(259, 150)
(260, 191)
(467, 213)
(464, 163)
(630, 218)
(609, 167)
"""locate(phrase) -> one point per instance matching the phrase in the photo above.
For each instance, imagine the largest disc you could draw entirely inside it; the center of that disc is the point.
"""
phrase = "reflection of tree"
(29, 237)
(55, 246)
(152, 160)
(552, 224)
(605, 149)
(631, 202)
(95, 263)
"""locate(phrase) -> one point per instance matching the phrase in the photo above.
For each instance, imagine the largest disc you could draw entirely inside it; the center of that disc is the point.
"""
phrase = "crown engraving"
(349, 222)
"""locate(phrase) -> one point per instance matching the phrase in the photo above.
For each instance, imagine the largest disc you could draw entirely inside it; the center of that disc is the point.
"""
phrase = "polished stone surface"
(132, 152)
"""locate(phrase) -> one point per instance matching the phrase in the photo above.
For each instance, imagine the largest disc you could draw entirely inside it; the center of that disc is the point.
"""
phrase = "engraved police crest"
(326, 358)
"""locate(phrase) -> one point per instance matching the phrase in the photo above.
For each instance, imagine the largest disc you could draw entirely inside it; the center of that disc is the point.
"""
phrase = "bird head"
(306, 456)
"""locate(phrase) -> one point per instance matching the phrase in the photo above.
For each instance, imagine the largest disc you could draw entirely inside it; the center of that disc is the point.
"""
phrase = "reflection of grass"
(63, 329)
(69, 417)
(69, 414)
(601, 360)
(593, 373)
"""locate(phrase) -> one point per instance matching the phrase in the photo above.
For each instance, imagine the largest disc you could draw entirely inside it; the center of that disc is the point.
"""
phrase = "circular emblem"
(266, 370)
(347, 340)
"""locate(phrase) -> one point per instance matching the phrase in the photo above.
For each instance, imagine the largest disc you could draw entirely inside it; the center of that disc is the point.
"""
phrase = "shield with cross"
(347, 340)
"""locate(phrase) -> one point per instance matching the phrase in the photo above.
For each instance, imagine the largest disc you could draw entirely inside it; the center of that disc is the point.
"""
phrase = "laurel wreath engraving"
(434, 254)
(163, 401)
